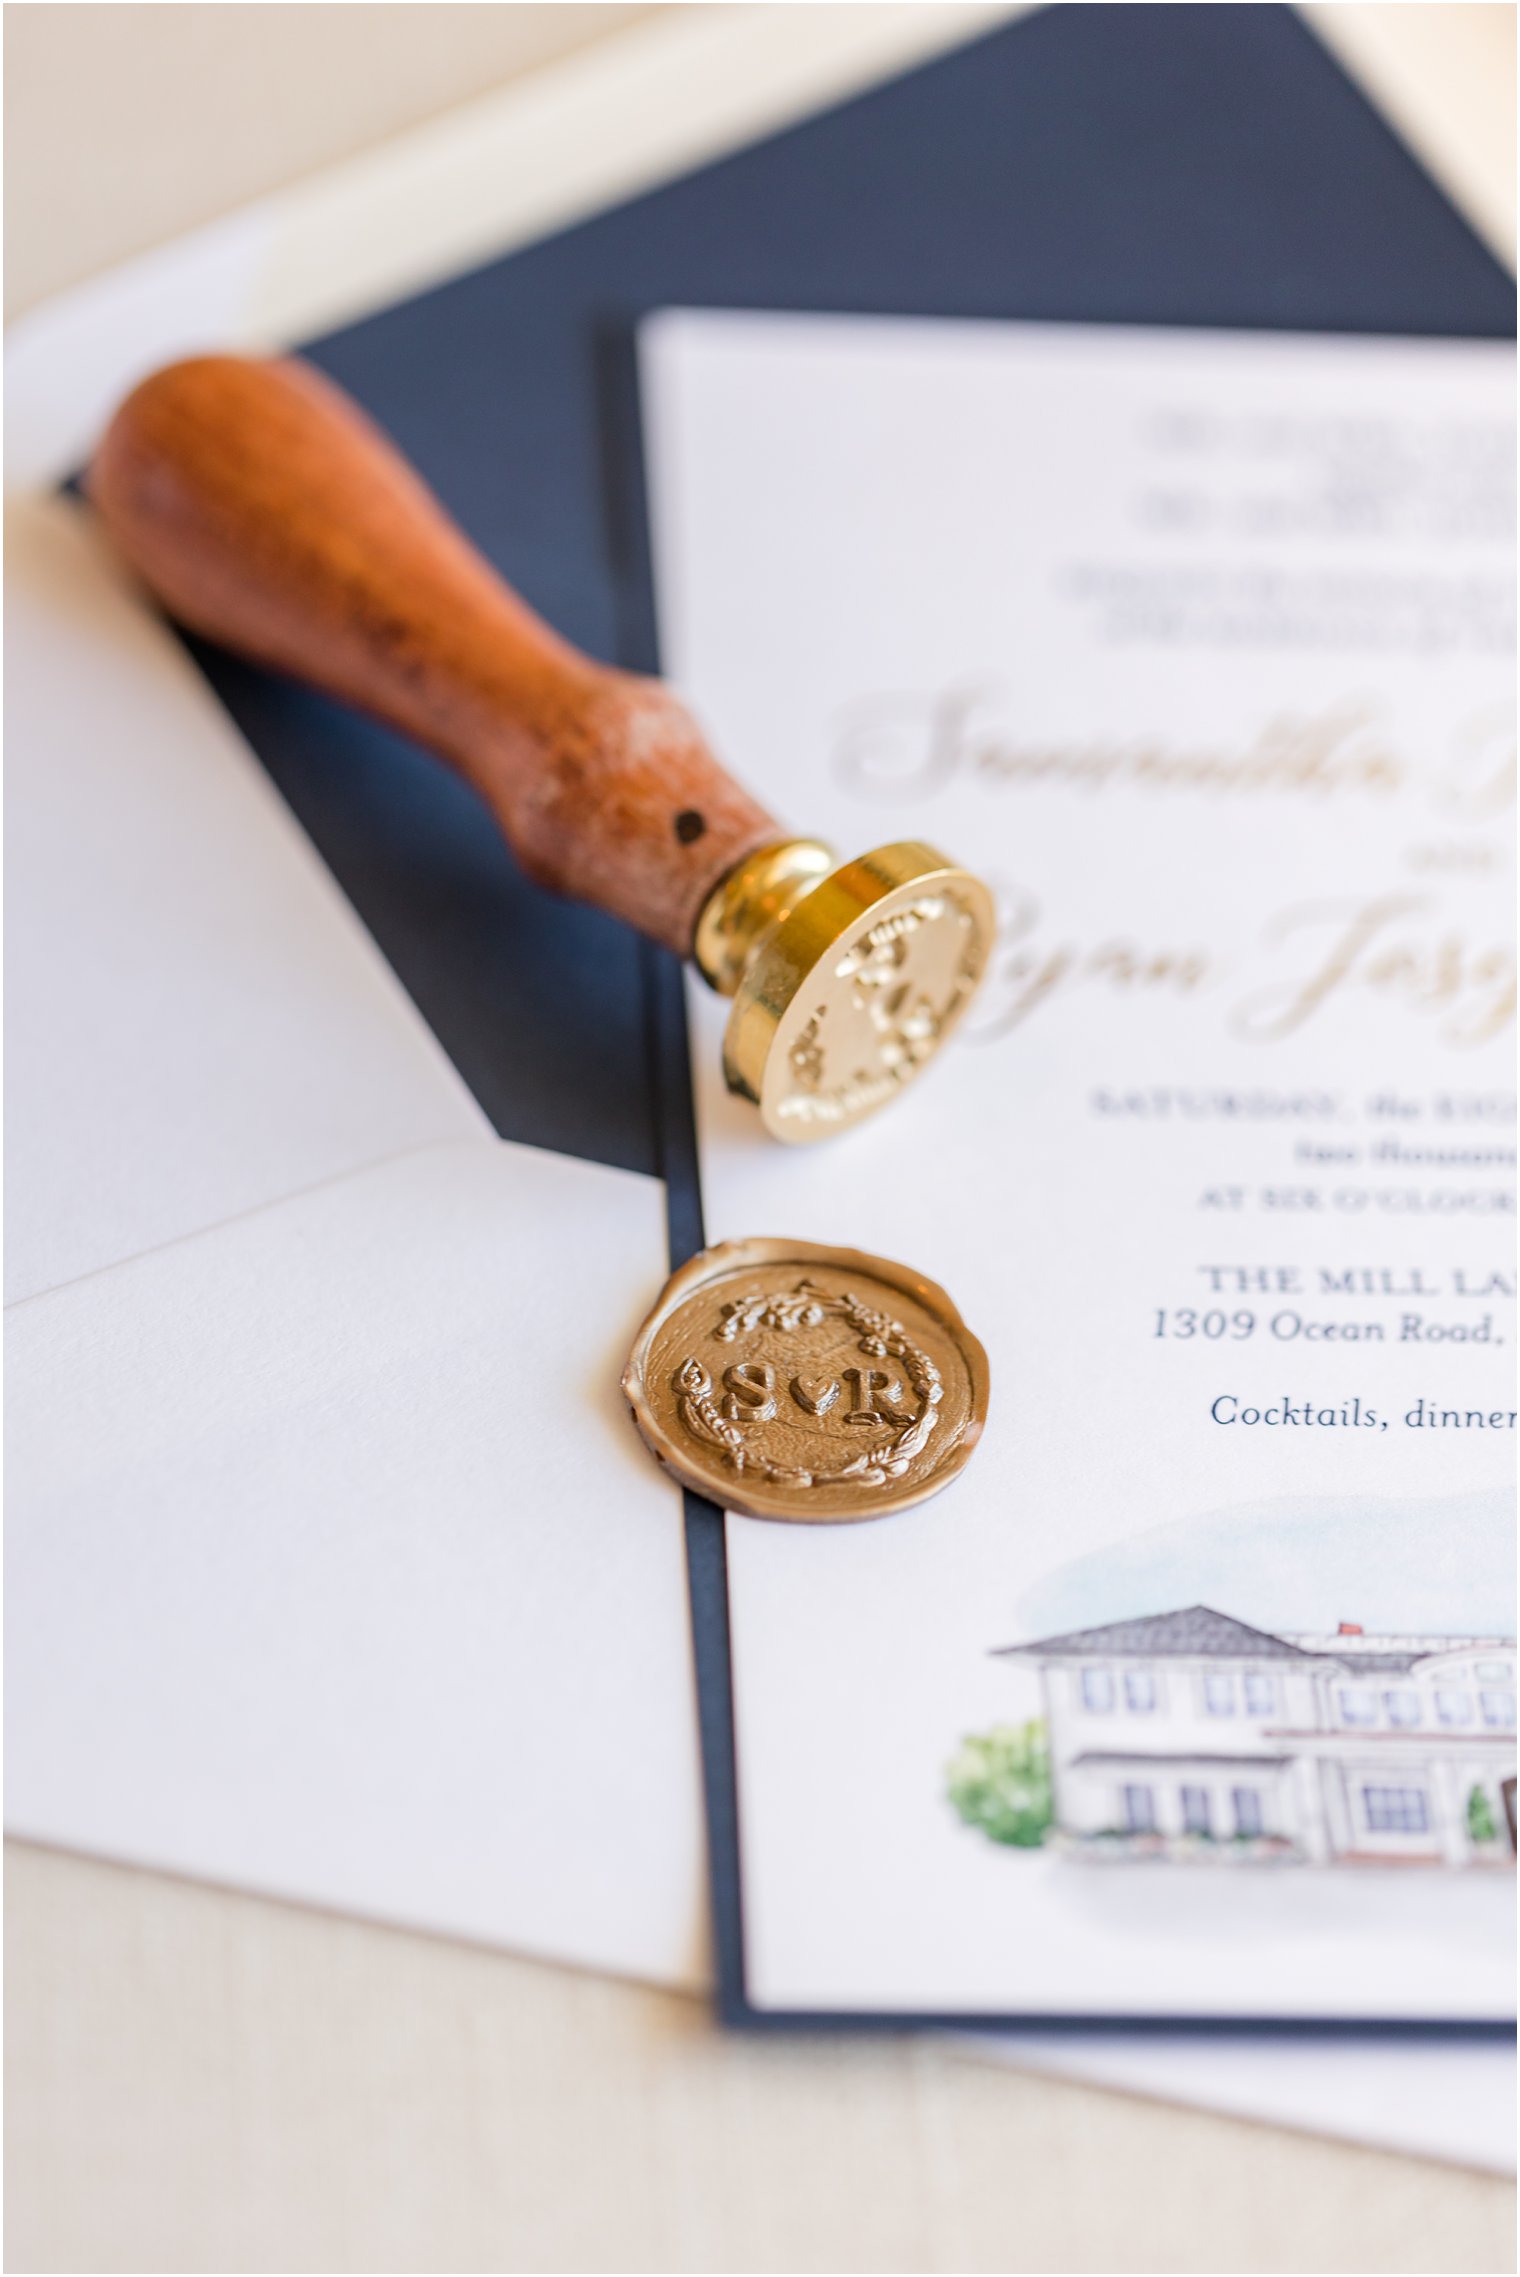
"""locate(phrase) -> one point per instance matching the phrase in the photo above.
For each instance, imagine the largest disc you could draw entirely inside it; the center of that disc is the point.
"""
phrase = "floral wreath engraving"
(805, 1307)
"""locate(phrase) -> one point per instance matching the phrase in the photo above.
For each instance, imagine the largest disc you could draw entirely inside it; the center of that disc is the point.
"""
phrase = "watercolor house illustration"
(1191, 1734)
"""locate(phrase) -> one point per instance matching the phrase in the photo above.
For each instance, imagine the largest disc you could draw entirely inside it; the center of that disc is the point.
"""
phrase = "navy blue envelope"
(1190, 165)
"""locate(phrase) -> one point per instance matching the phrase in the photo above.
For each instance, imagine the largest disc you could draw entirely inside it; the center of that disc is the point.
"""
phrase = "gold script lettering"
(1023, 974)
(907, 745)
(1371, 945)
(1480, 783)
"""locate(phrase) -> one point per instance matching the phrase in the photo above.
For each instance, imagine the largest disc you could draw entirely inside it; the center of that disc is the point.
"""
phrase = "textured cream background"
(200, 2080)
(126, 124)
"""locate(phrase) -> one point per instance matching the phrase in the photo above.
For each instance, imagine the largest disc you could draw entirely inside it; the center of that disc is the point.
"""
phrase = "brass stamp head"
(787, 1380)
(845, 981)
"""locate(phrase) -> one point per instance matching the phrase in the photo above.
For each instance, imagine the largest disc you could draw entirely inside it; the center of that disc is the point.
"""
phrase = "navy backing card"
(1193, 165)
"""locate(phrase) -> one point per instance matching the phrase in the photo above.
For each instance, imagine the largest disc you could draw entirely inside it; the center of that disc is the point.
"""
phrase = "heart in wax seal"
(816, 1393)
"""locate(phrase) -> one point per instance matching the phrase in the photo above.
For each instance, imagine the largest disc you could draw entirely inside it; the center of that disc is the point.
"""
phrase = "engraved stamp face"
(874, 1013)
(791, 1381)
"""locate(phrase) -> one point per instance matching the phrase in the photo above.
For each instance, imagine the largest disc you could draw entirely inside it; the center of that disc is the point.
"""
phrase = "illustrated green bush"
(1000, 1781)
(1480, 1816)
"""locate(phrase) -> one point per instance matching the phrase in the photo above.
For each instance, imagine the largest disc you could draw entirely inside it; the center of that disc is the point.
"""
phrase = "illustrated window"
(1403, 1707)
(1498, 1709)
(1140, 1810)
(1454, 1707)
(1219, 1695)
(1197, 1814)
(1140, 1692)
(1396, 1810)
(1246, 1804)
(1261, 1695)
(1097, 1690)
(1357, 1704)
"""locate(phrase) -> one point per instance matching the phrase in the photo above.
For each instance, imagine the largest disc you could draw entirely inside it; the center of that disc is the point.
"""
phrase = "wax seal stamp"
(821, 1385)
(266, 512)
(845, 994)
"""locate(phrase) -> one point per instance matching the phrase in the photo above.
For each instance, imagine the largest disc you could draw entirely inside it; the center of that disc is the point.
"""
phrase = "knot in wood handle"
(266, 512)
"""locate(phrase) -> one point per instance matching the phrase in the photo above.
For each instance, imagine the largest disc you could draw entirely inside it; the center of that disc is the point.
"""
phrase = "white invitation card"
(1194, 1697)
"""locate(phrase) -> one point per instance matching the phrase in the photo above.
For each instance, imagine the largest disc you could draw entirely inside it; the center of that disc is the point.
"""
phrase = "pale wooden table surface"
(199, 2080)
(202, 2081)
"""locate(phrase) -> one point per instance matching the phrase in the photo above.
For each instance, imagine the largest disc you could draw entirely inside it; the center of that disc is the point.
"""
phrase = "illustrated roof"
(1198, 1632)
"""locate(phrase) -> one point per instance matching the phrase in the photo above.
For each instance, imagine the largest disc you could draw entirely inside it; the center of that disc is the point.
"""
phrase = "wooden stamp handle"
(268, 513)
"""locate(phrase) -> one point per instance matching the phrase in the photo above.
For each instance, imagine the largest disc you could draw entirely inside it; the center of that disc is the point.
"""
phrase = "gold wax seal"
(791, 1381)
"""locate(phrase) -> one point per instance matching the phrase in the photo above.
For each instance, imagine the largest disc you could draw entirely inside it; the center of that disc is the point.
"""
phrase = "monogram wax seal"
(820, 1385)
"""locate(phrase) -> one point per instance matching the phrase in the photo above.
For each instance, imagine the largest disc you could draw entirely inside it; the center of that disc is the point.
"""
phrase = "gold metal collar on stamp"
(752, 901)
